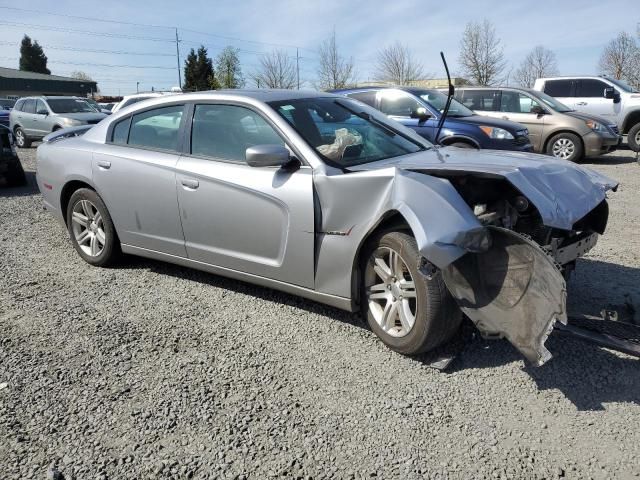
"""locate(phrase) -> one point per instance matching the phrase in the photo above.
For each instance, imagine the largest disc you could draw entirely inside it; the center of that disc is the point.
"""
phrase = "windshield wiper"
(389, 130)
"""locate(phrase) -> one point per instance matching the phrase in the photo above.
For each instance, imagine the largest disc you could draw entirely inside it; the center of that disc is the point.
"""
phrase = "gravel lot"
(155, 371)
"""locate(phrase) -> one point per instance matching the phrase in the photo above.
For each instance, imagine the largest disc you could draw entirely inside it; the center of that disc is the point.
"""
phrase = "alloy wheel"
(391, 292)
(19, 137)
(563, 148)
(88, 228)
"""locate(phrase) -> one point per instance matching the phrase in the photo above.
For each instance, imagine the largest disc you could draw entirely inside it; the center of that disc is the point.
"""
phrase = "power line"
(89, 50)
(84, 32)
(100, 64)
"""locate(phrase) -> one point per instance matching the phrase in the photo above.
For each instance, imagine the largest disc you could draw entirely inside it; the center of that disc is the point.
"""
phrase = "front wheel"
(21, 139)
(566, 146)
(410, 311)
(91, 228)
(633, 138)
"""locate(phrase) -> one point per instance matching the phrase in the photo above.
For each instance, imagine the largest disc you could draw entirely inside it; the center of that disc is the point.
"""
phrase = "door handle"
(104, 164)
(190, 183)
(582, 104)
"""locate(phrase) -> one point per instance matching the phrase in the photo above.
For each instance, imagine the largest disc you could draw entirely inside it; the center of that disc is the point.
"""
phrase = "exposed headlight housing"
(70, 122)
(496, 133)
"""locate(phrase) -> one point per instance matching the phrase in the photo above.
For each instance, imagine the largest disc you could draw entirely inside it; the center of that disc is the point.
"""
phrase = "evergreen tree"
(198, 70)
(228, 71)
(32, 57)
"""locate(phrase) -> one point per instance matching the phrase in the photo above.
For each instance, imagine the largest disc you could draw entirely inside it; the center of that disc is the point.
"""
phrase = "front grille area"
(521, 137)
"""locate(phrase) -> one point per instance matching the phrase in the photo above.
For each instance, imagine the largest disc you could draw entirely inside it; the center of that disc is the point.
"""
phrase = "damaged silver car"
(321, 196)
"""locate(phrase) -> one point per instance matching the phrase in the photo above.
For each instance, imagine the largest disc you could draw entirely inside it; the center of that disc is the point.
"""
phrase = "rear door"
(516, 106)
(256, 220)
(135, 175)
(26, 118)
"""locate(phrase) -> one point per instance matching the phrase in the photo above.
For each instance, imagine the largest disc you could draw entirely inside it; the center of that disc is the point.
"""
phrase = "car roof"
(515, 89)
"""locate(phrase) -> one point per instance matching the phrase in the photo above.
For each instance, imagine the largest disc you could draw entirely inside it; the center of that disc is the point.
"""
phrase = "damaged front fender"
(513, 289)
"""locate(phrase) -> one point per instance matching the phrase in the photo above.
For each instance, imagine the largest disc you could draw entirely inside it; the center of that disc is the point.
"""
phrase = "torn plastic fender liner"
(514, 289)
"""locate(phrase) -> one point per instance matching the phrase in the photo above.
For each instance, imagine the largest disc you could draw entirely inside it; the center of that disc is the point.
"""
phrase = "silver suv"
(599, 95)
(32, 118)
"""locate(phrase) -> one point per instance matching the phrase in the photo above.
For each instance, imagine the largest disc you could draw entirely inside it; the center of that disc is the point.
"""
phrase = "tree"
(32, 57)
(396, 65)
(198, 70)
(621, 59)
(481, 54)
(228, 71)
(539, 62)
(276, 70)
(80, 75)
(334, 70)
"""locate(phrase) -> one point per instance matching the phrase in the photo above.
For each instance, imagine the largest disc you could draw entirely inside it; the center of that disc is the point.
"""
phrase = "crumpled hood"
(563, 192)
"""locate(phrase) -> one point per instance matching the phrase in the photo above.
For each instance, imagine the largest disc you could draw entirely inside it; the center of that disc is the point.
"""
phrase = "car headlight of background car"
(496, 133)
(71, 122)
(596, 126)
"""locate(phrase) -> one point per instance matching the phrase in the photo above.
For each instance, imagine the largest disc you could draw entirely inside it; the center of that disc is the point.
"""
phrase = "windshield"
(622, 85)
(347, 133)
(69, 105)
(552, 103)
(439, 99)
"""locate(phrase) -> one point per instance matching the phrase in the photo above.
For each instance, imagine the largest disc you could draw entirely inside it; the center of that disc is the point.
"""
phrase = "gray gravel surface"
(150, 370)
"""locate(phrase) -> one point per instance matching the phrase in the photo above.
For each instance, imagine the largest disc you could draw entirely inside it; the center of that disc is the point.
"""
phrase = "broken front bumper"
(514, 289)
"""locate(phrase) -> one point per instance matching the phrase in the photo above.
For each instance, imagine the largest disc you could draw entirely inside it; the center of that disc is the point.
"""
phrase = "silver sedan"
(324, 197)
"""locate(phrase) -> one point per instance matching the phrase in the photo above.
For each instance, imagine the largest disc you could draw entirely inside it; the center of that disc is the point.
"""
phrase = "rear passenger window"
(558, 88)
(226, 131)
(121, 131)
(368, 97)
(157, 128)
(29, 106)
(591, 88)
(515, 102)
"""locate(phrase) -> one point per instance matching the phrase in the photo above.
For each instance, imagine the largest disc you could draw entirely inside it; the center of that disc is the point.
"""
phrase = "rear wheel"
(410, 312)
(91, 228)
(633, 138)
(21, 139)
(566, 146)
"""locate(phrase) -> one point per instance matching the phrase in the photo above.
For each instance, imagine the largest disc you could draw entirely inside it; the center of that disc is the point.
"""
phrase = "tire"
(461, 145)
(436, 315)
(633, 138)
(15, 175)
(21, 138)
(91, 229)
(566, 146)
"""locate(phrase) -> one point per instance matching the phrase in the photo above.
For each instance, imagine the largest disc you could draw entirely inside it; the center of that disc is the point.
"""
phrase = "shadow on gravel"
(587, 375)
(31, 188)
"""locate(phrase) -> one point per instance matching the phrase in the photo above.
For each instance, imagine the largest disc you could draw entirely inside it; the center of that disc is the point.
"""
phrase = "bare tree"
(621, 59)
(539, 62)
(80, 75)
(277, 70)
(481, 53)
(334, 70)
(395, 64)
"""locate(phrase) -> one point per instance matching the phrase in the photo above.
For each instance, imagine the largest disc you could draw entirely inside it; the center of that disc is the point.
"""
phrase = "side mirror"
(43, 112)
(538, 110)
(609, 93)
(421, 114)
(267, 156)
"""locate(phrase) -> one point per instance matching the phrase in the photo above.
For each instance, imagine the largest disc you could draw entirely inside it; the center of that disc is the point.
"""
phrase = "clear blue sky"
(575, 30)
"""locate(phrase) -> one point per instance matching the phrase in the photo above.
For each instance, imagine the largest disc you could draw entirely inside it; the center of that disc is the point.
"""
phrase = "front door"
(256, 220)
(590, 99)
(516, 107)
(135, 176)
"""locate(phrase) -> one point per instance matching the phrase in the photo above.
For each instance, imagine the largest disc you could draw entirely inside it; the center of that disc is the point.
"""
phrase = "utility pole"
(298, 67)
(178, 57)
(137, 87)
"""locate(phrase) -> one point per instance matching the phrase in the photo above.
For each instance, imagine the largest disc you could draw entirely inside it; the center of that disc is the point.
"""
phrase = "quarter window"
(121, 131)
(558, 88)
(226, 131)
(19, 105)
(157, 128)
(591, 88)
(398, 104)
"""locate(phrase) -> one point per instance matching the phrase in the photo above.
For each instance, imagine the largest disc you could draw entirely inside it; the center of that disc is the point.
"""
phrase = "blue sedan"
(421, 109)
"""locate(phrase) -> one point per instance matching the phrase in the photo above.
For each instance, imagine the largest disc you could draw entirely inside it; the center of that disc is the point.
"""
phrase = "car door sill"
(333, 300)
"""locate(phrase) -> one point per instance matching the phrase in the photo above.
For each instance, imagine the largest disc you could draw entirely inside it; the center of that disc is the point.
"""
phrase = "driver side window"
(398, 104)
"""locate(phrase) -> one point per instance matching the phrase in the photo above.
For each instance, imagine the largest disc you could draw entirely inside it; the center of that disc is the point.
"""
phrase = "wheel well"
(67, 191)
(632, 119)
(56, 127)
(546, 142)
(450, 140)
(392, 221)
